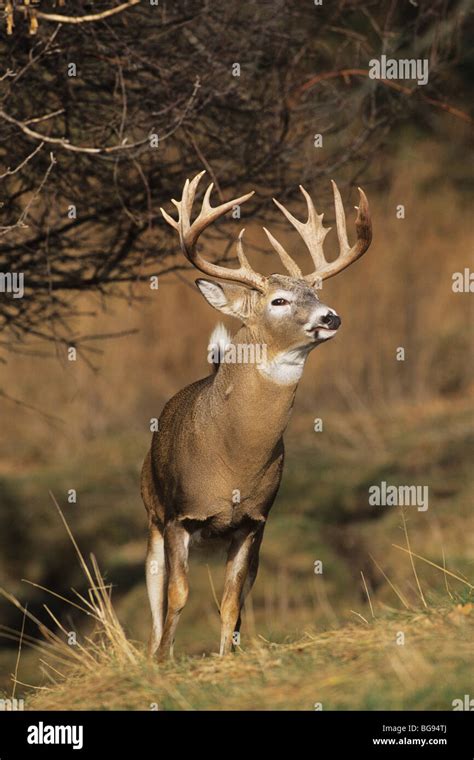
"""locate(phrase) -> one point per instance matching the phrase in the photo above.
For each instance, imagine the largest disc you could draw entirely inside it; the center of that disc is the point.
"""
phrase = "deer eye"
(280, 302)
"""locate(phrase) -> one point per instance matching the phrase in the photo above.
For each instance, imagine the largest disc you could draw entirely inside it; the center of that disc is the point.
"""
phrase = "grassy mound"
(360, 666)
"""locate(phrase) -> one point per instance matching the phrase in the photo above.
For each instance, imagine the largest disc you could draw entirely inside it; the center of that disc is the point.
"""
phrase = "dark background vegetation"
(84, 425)
(168, 71)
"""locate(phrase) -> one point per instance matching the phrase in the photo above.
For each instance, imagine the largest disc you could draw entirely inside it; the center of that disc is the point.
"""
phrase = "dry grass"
(411, 659)
(355, 667)
(106, 644)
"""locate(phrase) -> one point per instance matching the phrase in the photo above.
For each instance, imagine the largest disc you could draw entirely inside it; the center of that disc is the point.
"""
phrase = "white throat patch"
(285, 368)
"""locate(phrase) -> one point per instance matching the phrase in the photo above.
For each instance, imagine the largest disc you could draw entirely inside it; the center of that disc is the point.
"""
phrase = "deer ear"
(234, 300)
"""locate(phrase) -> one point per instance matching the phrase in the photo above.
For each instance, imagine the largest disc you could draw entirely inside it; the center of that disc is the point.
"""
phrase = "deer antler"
(189, 234)
(313, 234)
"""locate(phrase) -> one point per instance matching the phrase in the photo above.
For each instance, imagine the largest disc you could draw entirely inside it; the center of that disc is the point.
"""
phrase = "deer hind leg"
(156, 585)
(240, 574)
(176, 546)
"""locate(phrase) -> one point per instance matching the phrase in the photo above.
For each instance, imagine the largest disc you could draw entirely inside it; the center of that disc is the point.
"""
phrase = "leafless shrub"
(101, 121)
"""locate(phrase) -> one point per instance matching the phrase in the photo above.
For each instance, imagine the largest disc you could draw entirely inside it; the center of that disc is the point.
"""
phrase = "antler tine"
(344, 246)
(243, 260)
(314, 234)
(189, 234)
(347, 254)
(189, 192)
(172, 222)
(291, 266)
(312, 231)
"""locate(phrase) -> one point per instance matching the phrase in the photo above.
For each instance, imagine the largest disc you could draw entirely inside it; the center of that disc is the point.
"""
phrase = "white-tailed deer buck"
(215, 464)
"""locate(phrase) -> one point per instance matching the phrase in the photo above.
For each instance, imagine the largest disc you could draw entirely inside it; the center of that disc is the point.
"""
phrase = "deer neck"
(251, 401)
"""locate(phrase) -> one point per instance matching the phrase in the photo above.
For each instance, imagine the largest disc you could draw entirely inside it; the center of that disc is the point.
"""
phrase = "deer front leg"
(176, 546)
(252, 573)
(156, 585)
(241, 570)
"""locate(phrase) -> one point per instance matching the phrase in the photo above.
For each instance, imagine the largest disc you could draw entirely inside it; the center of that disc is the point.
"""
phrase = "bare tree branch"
(239, 89)
(90, 18)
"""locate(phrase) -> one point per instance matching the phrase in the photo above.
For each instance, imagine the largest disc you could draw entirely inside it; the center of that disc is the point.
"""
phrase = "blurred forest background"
(88, 158)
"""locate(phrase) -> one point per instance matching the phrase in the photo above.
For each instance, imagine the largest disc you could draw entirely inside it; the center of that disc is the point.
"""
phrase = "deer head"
(282, 311)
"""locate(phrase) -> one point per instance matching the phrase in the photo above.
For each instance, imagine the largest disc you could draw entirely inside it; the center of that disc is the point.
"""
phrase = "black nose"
(331, 321)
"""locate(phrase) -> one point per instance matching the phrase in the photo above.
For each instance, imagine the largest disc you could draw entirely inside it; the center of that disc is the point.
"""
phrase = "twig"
(24, 214)
(20, 642)
(433, 564)
(368, 595)
(63, 142)
(392, 585)
(388, 83)
(446, 575)
(361, 616)
(411, 559)
(60, 19)
(9, 171)
(47, 116)
(49, 417)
